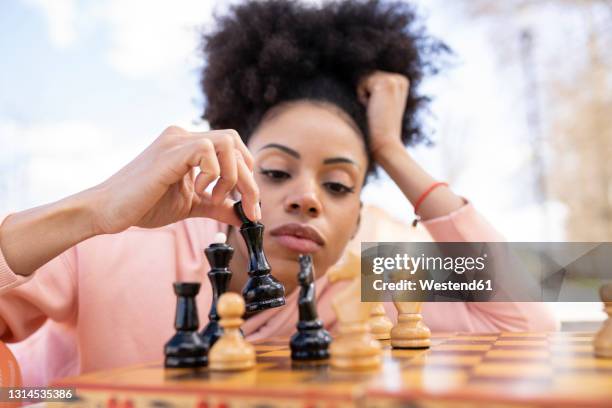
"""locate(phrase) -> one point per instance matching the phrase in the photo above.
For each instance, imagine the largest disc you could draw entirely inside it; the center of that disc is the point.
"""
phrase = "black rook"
(185, 348)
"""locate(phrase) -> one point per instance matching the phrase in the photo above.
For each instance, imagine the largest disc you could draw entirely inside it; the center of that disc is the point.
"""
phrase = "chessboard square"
(534, 370)
(461, 342)
(522, 343)
(518, 354)
(463, 347)
(591, 385)
(276, 353)
(524, 334)
(473, 338)
(471, 334)
(278, 378)
(565, 334)
(582, 362)
(402, 354)
(571, 348)
(433, 379)
(437, 352)
(505, 387)
(447, 360)
(570, 340)
(267, 347)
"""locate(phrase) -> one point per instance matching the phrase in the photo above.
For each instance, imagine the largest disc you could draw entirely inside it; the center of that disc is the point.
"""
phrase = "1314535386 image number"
(38, 394)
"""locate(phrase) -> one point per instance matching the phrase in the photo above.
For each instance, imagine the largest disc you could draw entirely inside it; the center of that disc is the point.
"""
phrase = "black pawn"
(262, 290)
(185, 348)
(311, 341)
(219, 256)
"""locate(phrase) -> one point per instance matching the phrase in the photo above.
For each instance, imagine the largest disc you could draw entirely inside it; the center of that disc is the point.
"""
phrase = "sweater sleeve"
(467, 225)
(27, 302)
(8, 279)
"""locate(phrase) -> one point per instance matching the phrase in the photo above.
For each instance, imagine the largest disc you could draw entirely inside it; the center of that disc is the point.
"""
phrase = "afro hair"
(264, 53)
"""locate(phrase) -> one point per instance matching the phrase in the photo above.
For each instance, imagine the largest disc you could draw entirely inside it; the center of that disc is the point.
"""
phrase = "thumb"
(203, 207)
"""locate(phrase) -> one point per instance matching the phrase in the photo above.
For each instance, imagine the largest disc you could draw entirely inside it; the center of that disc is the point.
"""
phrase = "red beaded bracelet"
(422, 197)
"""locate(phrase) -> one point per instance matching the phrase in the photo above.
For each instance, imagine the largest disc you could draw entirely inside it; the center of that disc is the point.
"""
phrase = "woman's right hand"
(160, 186)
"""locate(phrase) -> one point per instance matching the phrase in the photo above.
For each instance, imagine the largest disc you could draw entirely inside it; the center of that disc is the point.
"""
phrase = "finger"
(248, 191)
(363, 89)
(404, 83)
(367, 86)
(224, 212)
(244, 151)
(236, 139)
(206, 159)
(372, 79)
(362, 94)
(226, 155)
(202, 181)
(191, 176)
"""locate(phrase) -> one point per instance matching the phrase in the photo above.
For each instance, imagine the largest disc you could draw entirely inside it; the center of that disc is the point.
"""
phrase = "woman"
(315, 98)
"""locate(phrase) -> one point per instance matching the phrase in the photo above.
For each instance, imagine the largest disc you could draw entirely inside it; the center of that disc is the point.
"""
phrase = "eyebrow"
(291, 152)
(334, 160)
(282, 148)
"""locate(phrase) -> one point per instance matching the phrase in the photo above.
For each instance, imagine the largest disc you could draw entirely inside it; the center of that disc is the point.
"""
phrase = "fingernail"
(258, 211)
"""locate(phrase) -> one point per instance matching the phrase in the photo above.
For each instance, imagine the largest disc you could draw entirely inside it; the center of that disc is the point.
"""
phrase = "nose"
(303, 203)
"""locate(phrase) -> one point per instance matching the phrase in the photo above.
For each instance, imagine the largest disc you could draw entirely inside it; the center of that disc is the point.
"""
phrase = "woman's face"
(310, 164)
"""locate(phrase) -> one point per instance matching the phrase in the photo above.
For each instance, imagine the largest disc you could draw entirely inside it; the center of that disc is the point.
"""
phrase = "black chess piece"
(262, 290)
(219, 255)
(185, 348)
(311, 341)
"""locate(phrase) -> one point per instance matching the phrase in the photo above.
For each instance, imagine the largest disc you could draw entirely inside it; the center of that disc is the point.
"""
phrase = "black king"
(262, 290)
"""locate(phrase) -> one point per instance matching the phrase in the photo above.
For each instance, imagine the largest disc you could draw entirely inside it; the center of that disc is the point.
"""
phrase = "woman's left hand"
(384, 94)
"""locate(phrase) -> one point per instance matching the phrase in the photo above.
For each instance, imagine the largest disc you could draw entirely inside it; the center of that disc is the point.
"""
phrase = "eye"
(338, 188)
(275, 175)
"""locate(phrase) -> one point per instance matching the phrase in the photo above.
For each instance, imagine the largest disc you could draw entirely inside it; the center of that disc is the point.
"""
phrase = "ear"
(358, 224)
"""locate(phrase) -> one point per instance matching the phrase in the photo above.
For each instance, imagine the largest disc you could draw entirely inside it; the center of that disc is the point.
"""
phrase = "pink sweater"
(108, 301)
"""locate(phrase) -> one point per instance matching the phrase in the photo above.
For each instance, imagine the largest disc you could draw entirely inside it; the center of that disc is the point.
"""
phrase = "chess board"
(459, 370)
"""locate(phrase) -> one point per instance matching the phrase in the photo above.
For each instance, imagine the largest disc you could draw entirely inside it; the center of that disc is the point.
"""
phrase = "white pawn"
(354, 348)
(602, 343)
(231, 352)
(410, 331)
(380, 324)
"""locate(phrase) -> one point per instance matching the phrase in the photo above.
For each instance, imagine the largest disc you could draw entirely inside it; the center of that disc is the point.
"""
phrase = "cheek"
(342, 225)
(342, 218)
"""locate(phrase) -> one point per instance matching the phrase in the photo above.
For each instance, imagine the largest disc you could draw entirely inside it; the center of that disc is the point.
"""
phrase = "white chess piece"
(602, 343)
(231, 352)
(410, 331)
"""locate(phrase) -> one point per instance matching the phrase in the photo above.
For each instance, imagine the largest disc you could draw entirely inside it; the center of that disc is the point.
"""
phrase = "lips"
(298, 237)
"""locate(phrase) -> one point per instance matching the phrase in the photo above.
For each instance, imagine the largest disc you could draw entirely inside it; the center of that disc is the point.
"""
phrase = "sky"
(86, 85)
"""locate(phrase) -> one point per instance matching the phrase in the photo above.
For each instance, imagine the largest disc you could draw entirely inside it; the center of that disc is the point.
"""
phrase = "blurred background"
(522, 118)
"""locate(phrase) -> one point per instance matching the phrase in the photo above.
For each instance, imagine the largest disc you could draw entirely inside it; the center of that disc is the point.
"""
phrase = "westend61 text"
(431, 284)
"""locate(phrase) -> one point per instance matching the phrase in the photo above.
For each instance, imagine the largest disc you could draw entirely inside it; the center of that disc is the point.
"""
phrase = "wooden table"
(459, 370)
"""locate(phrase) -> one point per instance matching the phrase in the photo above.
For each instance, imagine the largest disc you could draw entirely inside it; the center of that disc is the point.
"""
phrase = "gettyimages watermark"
(484, 271)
